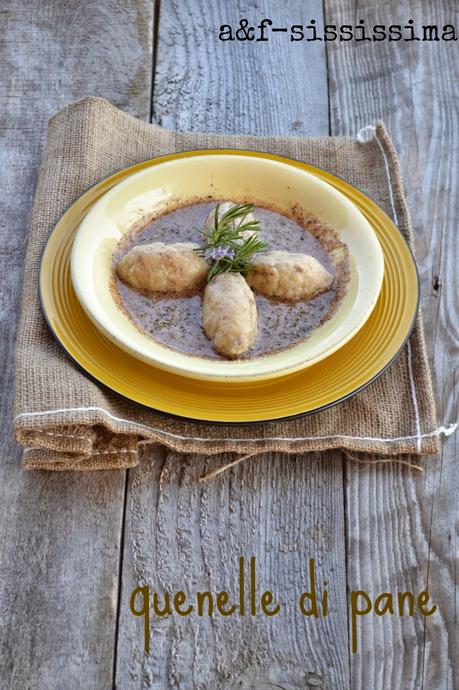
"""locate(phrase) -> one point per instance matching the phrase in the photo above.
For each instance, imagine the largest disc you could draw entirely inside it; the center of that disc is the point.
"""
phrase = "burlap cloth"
(69, 422)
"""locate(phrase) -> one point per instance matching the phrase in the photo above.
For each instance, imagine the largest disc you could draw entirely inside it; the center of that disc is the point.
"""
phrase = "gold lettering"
(222, 600)
(402, 597)
(200, 598)
(379, 609)
(355, 611)
(310, 596)
(267, 599)
(423, 600)
(143, 611)
(166, 611)
(179, 600)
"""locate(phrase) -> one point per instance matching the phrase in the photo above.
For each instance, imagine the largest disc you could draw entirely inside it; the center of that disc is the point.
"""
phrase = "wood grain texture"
(60, 547)
(273, 87)
(185, 535)
(283, 510)
(60, 534)
(401, 526)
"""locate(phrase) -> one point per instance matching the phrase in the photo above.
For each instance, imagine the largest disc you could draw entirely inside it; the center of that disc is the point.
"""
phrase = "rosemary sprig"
(226, 247)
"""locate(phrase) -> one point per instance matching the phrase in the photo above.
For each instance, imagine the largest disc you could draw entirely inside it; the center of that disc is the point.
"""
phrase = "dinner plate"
(326, 383)
(182, 179)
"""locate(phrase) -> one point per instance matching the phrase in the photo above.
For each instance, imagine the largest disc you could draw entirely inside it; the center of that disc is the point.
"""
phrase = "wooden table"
(69, 542)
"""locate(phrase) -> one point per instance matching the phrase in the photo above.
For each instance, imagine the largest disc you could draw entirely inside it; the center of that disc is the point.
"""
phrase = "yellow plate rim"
(365, 204)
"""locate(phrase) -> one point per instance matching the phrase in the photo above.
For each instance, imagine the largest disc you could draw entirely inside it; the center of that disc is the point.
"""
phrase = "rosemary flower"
(227, 248)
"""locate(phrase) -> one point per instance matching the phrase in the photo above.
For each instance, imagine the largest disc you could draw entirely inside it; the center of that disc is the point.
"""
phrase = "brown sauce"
(176, 321)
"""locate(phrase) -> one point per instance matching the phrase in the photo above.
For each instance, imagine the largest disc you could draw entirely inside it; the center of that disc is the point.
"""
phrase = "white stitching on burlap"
(98, 452)
(360, 137)
(54, 433)
(447, 431)
(114, 452)
(414, 398)
(362, 140)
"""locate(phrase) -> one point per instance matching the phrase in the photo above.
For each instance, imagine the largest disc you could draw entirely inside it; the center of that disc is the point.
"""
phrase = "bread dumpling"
(229, 314)
(223, 208)
(287, 276)
(164, 268)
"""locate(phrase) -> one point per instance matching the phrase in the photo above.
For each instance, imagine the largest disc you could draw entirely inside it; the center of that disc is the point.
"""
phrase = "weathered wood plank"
(182, 535)
(283, 510)
(60, 534)
(252, 87)
(400, 526)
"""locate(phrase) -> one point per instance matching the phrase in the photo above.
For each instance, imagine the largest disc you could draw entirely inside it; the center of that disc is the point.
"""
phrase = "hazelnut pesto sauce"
(176, 321)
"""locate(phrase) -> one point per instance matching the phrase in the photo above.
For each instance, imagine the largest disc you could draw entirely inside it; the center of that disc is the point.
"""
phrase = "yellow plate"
(242, 177)
(326, 383)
